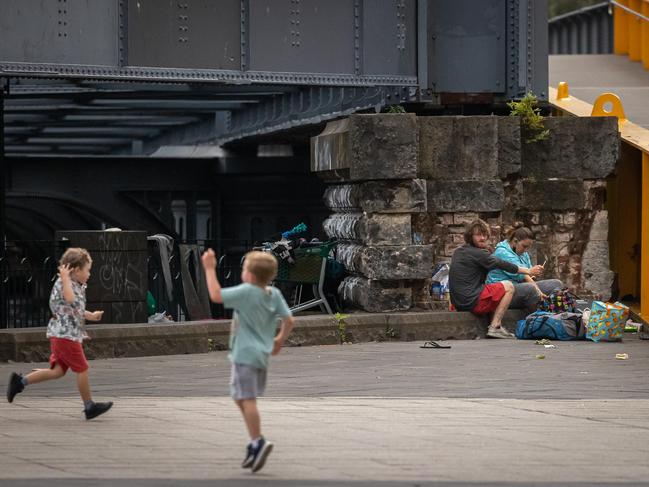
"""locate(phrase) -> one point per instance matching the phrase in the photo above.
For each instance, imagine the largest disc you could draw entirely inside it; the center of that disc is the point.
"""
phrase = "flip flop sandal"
(432, 344)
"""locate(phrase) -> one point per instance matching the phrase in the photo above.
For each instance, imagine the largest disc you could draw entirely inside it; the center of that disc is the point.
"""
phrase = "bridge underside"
(99, 117)
(118, 85)
(126, 77)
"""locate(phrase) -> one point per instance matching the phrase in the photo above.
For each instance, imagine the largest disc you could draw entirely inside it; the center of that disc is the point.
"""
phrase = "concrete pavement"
(483, 413)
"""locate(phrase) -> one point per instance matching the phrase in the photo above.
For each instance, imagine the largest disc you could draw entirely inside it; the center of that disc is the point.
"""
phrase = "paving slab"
(485, 412)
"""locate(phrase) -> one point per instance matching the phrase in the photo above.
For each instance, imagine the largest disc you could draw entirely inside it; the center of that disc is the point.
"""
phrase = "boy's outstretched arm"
(213, 285)
(284, 332)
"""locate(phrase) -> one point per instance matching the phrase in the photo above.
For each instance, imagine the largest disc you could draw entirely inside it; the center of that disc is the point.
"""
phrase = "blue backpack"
(554, 326)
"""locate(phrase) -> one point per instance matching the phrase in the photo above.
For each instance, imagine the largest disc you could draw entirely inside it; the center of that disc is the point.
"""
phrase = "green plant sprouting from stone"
(341, 326)
(527, 108)
(390, 333)
(395, 109)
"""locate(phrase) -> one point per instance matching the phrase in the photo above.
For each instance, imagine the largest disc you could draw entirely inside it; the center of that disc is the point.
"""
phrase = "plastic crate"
(307, 268)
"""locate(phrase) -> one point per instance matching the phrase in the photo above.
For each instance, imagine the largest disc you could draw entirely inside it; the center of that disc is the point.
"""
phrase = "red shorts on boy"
(489, 298)
(68, 354)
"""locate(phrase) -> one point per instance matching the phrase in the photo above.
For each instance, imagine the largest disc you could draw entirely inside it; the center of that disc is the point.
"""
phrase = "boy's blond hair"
(262, 265)
(75, 257)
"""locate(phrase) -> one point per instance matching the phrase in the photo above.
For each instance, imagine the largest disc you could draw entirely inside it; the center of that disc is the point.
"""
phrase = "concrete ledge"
(140, 340)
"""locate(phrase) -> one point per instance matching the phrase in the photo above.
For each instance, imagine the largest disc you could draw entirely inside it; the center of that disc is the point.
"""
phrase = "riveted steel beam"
(110, 73)
(310, 105)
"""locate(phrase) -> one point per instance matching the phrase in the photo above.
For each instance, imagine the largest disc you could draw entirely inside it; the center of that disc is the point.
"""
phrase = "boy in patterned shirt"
(257, 309)
(66, 333)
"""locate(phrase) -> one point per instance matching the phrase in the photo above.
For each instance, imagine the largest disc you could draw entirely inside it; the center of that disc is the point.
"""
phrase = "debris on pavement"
(632, 327)
(540, 357)
(621, 356)
(543, 341)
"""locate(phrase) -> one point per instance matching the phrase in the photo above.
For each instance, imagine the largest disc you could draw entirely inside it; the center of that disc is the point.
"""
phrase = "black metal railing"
(28, 270)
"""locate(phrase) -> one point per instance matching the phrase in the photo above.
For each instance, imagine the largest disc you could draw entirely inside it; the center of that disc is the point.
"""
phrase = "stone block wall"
(371, 163)
(398, 211)
(556, 187)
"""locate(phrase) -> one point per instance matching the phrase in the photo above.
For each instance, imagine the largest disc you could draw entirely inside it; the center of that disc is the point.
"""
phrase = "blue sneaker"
(250, 457)
(260, 454)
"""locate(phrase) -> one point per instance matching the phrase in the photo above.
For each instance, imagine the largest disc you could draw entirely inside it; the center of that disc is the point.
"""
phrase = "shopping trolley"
(309, 267)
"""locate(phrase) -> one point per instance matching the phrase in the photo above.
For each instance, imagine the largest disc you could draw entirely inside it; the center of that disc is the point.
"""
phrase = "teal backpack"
(554, 326)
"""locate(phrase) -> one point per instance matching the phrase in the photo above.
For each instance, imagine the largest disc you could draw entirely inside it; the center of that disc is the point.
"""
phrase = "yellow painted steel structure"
(628, 193)
(631, 29)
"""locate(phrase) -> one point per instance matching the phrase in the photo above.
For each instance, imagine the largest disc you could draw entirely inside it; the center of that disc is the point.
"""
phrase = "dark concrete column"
(119, 277)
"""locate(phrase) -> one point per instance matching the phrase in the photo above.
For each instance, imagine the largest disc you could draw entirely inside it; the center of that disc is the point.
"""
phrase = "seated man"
(469, 267)
(527, 291)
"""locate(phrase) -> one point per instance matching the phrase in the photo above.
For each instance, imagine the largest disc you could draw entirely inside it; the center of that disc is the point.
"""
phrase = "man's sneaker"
(15, 386)
(97, 409)
(250, 457)
(260, 454)
(499, 332)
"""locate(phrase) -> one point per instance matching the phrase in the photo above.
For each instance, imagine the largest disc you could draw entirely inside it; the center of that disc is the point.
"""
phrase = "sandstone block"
(375, 296)
(464, 218)
(562, 237)
(509, 146)
(387, 262)
(465, 196)
(596, 257)
(554, 194)
(599, 228)
(405, 196)
(570, 218)
(446, 218)
(371, 229)
(466, 148)
(599, 284)
(578, 147)
(597, 277)
(367, 147)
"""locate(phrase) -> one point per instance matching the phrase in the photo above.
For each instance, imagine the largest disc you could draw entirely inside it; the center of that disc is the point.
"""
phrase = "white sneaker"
(499, 332)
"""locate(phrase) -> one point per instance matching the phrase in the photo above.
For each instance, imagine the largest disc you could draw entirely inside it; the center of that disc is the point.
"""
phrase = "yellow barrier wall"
(629, 210)
(630, 32)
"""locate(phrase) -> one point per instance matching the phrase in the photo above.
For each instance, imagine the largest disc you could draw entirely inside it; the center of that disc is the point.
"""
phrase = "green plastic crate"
(307, 266)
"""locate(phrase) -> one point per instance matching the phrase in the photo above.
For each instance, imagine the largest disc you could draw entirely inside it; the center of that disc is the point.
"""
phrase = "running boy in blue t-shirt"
(257, 309)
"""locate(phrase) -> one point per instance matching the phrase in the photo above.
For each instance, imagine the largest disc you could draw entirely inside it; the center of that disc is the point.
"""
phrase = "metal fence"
(585, 31)
(28, 270)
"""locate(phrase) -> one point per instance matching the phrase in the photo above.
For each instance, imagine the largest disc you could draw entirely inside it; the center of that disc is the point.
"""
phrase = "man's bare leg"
(496, 320)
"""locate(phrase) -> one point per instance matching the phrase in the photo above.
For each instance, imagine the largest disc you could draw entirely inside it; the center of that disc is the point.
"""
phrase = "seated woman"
(527, 291)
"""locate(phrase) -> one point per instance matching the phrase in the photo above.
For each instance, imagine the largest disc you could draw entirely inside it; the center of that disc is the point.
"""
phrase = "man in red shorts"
(469, 267)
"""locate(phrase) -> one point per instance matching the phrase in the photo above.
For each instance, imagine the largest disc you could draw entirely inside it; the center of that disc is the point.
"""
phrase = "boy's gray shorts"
(247, 382)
